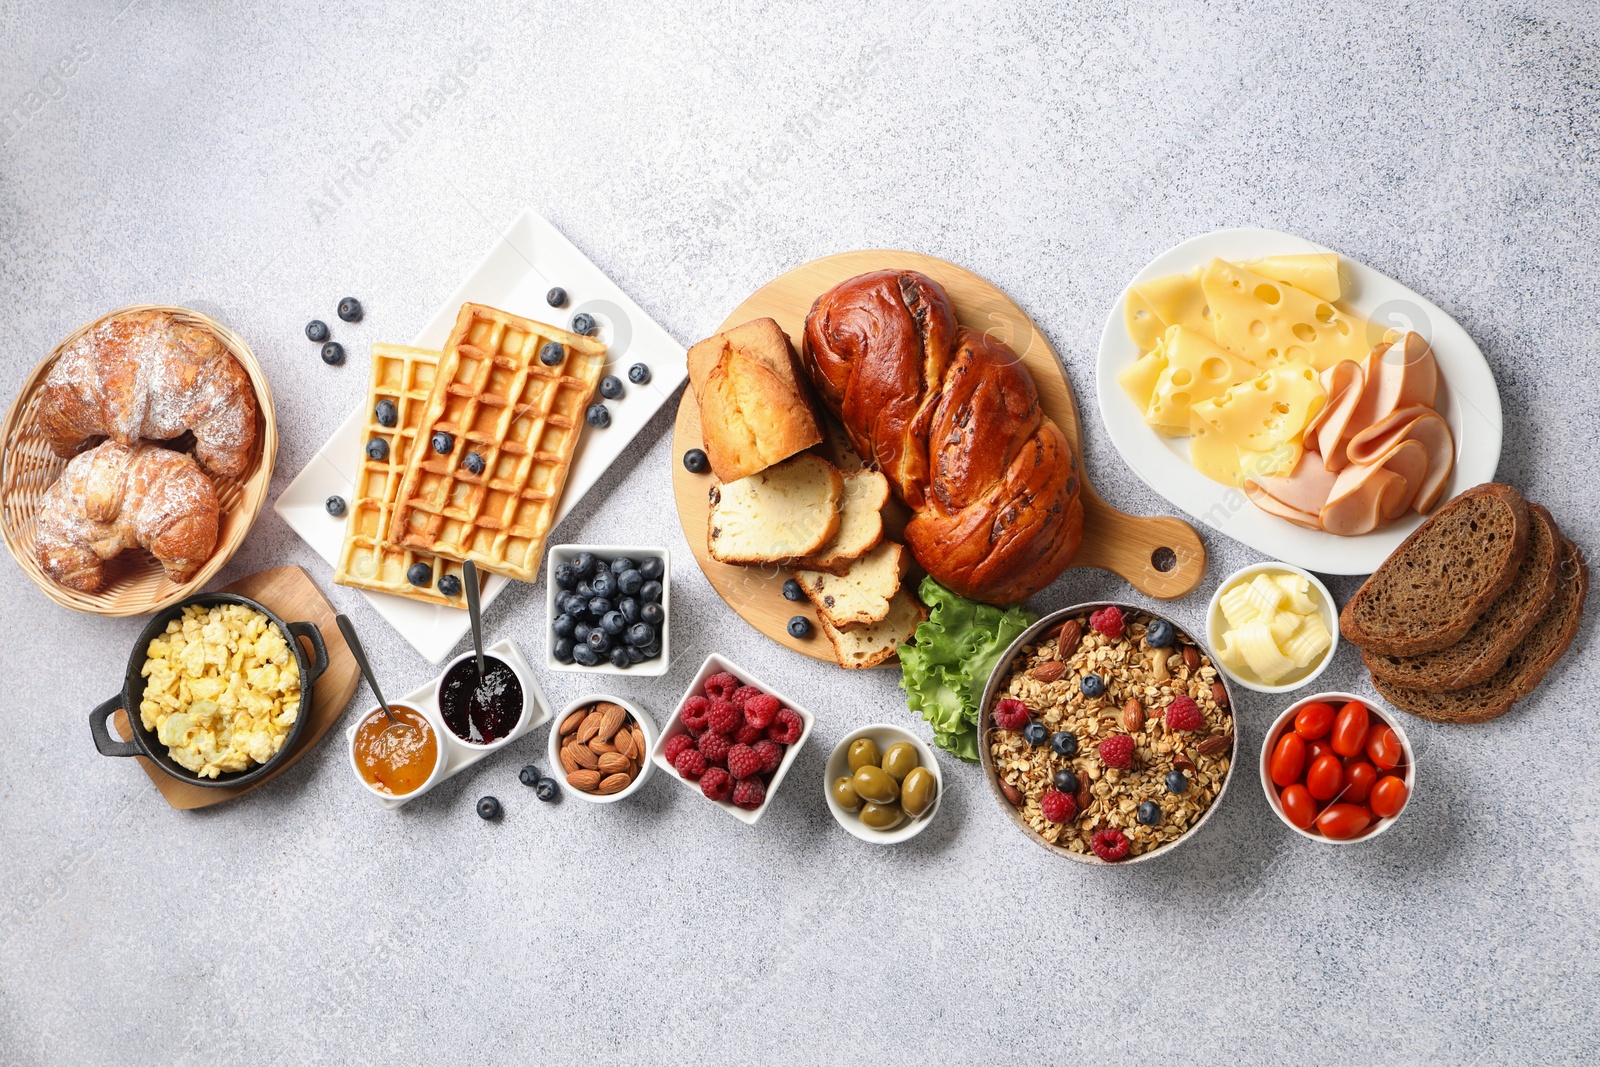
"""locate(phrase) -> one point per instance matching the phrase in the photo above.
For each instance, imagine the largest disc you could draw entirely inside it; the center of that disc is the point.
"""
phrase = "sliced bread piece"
(1431, 589)
(861, 595)
(1485, 648)
(875, 645)
(755, 401)
(1523, 670)
(860, 523)
(773, 516)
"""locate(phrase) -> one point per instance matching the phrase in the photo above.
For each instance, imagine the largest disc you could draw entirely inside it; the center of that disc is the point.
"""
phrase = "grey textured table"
(229, 161)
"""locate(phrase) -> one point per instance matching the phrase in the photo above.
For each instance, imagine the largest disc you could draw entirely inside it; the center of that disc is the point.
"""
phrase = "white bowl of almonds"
(602, 744)
(1107, 733)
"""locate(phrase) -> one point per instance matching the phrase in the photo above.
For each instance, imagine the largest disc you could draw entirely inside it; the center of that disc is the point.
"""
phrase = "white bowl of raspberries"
(732, 739)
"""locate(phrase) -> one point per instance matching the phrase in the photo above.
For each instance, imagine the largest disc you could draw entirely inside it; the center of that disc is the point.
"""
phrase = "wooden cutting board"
(290, 592)
(1161, 557)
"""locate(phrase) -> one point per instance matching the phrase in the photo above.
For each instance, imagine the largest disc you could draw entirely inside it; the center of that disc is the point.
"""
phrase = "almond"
(591, 725)
(624, 743)
(1132, 716)
(584, 780)
(1219, 694)
(1084, 796)
(1182, 762)
(1049, 670)
(1213, 746)
(611, 720)
(612, 763)
(1067, 640)
(585, 756)
(614, 783)
(1012, 794)
(573, 721)
(639, 747)
(600, 747)
(1191, 657)
(568, 763)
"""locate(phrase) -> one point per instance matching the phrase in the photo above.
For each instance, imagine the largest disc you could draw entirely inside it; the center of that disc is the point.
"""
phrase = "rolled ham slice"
(1344, 382)
(1365, 496)
(1422, 426)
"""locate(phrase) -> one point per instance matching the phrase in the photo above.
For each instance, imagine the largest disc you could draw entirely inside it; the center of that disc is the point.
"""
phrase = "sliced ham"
(1344, 383)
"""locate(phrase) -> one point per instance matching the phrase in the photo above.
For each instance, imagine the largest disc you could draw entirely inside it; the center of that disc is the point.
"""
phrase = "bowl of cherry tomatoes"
(1337, 769)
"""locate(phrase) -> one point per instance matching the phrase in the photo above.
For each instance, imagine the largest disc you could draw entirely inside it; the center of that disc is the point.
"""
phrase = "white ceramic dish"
(1470, 403)
(519, 270)
(441, 762)
(650, 668)
(646, 724)
(839, 765)
(715, 664)
(1216, 625)
(1286, 721)
(519, 667)
(459, 755)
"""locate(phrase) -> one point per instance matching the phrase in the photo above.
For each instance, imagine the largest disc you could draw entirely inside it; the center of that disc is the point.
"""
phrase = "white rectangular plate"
(525, 264)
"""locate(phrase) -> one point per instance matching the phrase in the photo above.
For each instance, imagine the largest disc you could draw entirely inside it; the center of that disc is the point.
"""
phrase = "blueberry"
(613, 623)
(1092, 685)
(651, 568)
(654, 614)
(562, 650)
(695, 461)
(583, 323)
(333, 353)
(1159, 634)
(419, 574)
(350, 309)
(563, 625)
(386, 413)
(611, 387)
(1177, 782)
(565, 576)
(449, 586)
(598, 416)
(316, 330)
(473, 462)
(792, 590)
(635, 654)
(619, 657)
(583, 564)
(799, 626)
(442, 442)
(546, 789)
(629, 606)
(599, 640)
(1036, 733)
(604, 584)
(572, 604)
(653, 649)
(630, 582)
(488, 808)
(552, 353)
(529, 775)
(650, 592)
(585, 593)
(1150, 813)
(1064, 743)
(378, 449)
(599, 607)
(335, 506)
(639, 374)
(622, 563)
(580, 631)
(641, 634)
(585, 655)
(1065, 781)
(556, 297)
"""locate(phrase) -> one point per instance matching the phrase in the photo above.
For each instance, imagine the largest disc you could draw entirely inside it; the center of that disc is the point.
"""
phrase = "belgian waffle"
(494, 397)
(404, 377)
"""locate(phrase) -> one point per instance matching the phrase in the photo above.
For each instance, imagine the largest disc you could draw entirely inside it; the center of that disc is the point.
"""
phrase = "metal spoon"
(350, 638)
(469, 571)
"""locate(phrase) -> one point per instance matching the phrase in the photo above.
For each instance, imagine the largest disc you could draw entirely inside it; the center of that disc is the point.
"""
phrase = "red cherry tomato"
(1314, 720)
(1343, 821)
(1298, 807)
(1315, 750)
(1288, 760)
(1326, 777)
(1350, 729)
(1389, 796)
(1383, 746)
(1358, 781)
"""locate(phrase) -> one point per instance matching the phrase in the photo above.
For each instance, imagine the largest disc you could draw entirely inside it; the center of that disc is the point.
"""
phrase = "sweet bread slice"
(872, 646)
(861, 595)
(860, 523)
(776, 515)
(755, 410)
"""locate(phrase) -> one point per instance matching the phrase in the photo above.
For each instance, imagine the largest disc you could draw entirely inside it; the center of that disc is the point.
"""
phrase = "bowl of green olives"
(882, 784)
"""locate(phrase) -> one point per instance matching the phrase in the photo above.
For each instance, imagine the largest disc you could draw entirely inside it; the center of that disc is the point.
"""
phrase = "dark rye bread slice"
(1526, 667)
(1431, 589)
(1478, 655)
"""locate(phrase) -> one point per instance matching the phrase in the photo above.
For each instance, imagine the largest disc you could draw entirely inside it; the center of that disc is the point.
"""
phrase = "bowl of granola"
(1107, 733)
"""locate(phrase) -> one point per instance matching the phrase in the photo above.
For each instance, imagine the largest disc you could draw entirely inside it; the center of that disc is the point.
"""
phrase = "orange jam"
(396, 761)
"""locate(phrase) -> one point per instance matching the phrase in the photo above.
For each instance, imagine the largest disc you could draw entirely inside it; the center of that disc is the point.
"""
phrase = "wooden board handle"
(1161, 557)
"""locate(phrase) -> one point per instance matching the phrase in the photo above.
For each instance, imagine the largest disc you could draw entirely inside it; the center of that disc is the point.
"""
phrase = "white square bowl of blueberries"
(607, 609)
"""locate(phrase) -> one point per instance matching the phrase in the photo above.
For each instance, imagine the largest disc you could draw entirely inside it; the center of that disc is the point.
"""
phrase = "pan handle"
(309, 631)
(108, 745)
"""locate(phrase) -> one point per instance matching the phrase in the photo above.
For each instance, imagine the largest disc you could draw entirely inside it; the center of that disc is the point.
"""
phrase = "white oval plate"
(1469, 402)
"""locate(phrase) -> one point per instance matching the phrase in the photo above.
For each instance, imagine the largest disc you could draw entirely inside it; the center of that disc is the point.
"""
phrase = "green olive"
(900, 760)
(918, 791)
(874, 785)
(882, 816)
(844, 793)
(863, 752)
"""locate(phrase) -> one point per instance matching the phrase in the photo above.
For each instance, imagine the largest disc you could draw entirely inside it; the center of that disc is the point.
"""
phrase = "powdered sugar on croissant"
(144, 375)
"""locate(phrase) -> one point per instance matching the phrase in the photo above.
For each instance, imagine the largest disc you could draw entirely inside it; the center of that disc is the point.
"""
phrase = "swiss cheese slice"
(1195, 370)
(1255, 428)
(1176, 300)
(1139, 379)
(1316, 272)
(1270, 322)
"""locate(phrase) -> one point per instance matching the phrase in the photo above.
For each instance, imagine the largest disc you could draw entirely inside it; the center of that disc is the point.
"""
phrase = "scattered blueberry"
(651, 568)
(630, 582)
(1092, 685)
(599, 640)
(442, 442)
(333, 353)
(792, 590)
(695, 461)
(1064, 743)
(419, 574)
(1036, 733)
(378, 449)
(449, 586)
(350, 309)
(583, 564)
(613, 623)
(654, 614)
(799, 626)
(566, 577)
(1177, 782)
(619, 657)
(620, 564)
(611, 387)
(583, 323)
(386, 413)
(585, 655)
(546, 789)
(1150, 813)
(335, 506)
(641, 634)
(552, 352)
(473, 462)
(529, 776)
(639, 374)
(1159, 634)
(598, 416)
(556, 297)
(1065, 781)
(604, 584)
(488, 808)
(317, 330)
(650, 592)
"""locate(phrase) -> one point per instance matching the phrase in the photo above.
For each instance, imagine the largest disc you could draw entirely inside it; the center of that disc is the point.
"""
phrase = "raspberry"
(1117, 751)
(1110, 845)
(1184, 714)
(786, 728)
(760, 710)
(694, 713)
(1058, 807)
(714, 747)
(1011, 714)
(721, 685)
(749, 793)
(1108, 621)
(676, 744)
(743, 761)
(742, 695)
(770, 754)
(723, 717)
(748, 734)
(690, 763)
(716, 784)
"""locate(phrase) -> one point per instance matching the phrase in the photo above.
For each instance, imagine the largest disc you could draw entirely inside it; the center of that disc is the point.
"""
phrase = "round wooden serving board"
(1160, 557)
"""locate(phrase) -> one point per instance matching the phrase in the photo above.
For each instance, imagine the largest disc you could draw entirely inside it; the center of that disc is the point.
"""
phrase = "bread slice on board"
(1522, 671)
(861, 595)
(755, 408)
(1485, 648)
(875, 645)
(860, 523)
(1431, 589)
(784, 511)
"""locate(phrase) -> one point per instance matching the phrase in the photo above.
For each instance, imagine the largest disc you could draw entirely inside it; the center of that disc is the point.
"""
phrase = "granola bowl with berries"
(1107, 733)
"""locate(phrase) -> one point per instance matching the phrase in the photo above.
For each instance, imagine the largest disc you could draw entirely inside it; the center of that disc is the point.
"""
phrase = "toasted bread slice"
(861, 595)
(785, 511)
(860, 523)
(1432, 589)
(1523, 670)
(875, 645)
(1485, 648)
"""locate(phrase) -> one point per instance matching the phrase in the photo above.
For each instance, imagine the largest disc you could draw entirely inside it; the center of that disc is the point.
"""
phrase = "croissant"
(145, 375)
(952, 418)
(113, 497)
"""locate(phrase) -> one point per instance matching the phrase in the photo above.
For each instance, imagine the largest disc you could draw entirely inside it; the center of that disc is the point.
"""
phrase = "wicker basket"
(135, 583)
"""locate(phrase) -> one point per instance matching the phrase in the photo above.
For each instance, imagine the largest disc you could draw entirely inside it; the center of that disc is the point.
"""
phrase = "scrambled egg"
(223, 689)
